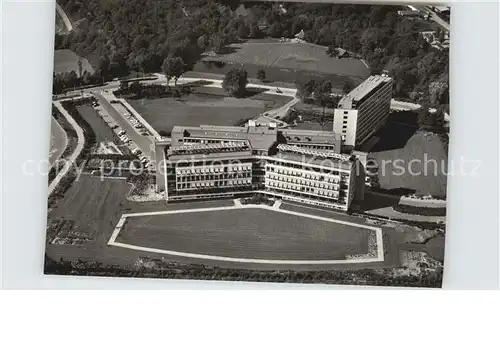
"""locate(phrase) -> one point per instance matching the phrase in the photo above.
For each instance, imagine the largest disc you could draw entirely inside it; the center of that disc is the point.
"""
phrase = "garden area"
(257, 199)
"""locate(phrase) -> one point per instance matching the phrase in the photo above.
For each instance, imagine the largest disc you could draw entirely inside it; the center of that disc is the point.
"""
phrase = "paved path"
(79, 147)
(435, 17)
(380, 248)
(64, 17)
(58, 141)
(217, 83)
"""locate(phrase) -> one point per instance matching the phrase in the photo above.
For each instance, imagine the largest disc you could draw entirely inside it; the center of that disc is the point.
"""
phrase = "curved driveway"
(58, 141)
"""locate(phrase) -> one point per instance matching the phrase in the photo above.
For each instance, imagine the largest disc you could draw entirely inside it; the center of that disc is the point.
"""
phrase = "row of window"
(197, 185)
(303, 189)
(214, 177)
(201, 170)
(315, 147)
(298, 181)
(305, 175)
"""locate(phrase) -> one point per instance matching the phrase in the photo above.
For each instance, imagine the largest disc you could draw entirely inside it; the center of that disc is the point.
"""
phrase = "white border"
(27, 57)
(378, 232)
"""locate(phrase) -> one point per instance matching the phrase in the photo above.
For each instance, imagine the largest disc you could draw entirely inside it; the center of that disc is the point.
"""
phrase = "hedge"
(421, 211)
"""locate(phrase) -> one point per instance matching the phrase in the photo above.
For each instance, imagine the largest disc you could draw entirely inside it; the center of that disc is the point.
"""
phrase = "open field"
(288, 62)
(246, 233)
(196, 109)
(421, 165)
(67, 61)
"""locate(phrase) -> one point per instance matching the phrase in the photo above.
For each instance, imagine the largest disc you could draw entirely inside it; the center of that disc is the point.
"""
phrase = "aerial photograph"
(249, 141)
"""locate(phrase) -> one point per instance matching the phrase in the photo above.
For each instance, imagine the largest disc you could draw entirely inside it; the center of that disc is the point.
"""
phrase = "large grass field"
(67, 61)
(288, 62)
(246, 233)
(196, 109)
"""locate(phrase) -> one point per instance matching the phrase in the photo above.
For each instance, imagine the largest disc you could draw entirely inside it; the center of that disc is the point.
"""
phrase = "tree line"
(118, 36)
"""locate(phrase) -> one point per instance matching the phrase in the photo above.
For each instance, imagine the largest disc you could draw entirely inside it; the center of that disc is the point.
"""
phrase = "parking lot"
(128, 129)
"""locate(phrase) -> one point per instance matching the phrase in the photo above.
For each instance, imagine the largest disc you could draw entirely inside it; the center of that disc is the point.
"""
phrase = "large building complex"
(361, 112)
(218, 161)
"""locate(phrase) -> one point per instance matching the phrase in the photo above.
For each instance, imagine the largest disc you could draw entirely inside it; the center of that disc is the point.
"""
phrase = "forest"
(118, 36)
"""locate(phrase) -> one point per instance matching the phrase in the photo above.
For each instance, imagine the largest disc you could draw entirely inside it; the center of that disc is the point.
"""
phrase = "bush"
(174, 270)
(421, 211)
(258, 199)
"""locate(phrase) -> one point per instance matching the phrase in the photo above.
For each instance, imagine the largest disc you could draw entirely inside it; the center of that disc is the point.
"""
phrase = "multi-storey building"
(218, 161)
(363, 111)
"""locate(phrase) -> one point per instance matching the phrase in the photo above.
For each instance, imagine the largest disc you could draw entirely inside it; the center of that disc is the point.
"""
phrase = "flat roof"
(309, 136)
(362, 90)
(232, 149)
(259, 137)
(315, 157)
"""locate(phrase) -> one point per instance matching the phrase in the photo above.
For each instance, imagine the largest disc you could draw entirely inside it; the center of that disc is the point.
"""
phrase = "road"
(435, 17)
(58, 141)
(79, 147)
(64, 17)
(217, 83)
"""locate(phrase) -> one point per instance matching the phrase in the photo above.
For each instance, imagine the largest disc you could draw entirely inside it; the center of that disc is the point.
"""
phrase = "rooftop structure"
(259, 137)
(363, 91)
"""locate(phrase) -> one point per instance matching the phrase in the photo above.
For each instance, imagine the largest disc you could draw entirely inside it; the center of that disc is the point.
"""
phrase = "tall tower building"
(363, 111)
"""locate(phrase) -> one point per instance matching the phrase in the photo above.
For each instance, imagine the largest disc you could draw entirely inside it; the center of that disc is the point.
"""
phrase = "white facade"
(364, 110)
(345, 123)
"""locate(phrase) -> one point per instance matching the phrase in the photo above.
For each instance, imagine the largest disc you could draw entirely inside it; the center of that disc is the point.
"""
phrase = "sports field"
(196, 109)
(246, 233)
(67, 61)
(291, 58)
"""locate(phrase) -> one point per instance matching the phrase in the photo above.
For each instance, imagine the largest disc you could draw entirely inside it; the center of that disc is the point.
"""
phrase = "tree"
(123, 86)
(255, 31)
(438, 92)
(346, 88)
(431, 120)
(235, 82)
(323, 94)
(103, 66)
(216, 43)
(243, 30)
(202, 42)
(136, 88)
(305, 90)
(80, 67)
(261, 75)
(173, 67)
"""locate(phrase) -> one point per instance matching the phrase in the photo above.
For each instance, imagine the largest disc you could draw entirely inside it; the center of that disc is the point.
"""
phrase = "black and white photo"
(270, 141)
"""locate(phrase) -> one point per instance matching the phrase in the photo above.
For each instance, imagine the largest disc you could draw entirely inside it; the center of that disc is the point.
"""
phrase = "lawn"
(288, 62)
(246, 233)
(67, 61)
(196, 109)
(420, 165)
(94, 206)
